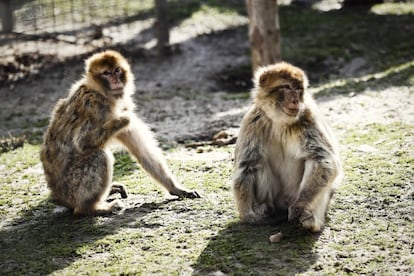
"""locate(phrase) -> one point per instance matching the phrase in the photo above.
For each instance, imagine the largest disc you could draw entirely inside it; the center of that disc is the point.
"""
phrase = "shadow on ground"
(40, 242)
(242, 249)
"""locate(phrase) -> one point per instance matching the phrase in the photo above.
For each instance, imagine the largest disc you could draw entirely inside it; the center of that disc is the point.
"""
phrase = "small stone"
(220, 135)
(276, 237)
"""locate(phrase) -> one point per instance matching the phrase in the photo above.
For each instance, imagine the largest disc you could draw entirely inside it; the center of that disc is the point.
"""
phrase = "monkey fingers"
(192, 194)
(306, 218)
(295, 211)
(187, 194)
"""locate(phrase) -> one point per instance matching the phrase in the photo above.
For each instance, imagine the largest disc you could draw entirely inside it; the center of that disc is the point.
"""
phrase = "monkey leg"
(250, 211)
(91, 178)
(255, 190)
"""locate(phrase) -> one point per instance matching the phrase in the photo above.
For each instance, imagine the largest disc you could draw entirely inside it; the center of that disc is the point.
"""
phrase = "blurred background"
(185, 53)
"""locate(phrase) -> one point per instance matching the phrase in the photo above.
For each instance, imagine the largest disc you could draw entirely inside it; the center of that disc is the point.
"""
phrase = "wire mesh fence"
(33, 31)
(48, 16)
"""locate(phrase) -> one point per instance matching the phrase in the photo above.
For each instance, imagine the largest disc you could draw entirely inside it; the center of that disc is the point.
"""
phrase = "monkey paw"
(306, 218)
(295, 211)
(117, 207)
(119, 188)
(186, 194)
(192, 194)
(123, 121)
(311, 223)
(249, 218)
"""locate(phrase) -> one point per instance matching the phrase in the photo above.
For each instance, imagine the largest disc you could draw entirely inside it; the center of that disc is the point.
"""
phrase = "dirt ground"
(201, 88)
(183, 96)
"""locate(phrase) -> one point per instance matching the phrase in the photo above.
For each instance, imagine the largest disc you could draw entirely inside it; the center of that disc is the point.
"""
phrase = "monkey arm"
(316, 184)
(249, 160)
(92, 112)
(95, 135)
(139, 141)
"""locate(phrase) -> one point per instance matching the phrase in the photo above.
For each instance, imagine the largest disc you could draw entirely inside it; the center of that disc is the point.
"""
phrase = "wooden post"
(6, 14)
(264, 32)
(163, 32)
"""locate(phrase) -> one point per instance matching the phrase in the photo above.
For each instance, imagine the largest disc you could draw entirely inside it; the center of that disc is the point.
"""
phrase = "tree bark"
(6, 14)
(163, 32)
(264, 32)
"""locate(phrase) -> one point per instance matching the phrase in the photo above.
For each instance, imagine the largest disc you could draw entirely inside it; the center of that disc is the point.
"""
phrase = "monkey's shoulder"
(86, 100)
(256, 117)
(85, 93)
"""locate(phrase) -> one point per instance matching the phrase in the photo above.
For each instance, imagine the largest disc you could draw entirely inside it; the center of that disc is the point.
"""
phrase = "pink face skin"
(289, 99)
(113, 78)
(291, 103)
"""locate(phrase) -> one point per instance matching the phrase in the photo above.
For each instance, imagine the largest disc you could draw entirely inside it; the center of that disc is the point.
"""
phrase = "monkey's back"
(61, 149)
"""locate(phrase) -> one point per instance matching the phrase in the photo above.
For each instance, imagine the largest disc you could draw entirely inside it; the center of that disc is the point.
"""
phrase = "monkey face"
(288, 98)
(281, 87)
(108, 72)
(113, 79)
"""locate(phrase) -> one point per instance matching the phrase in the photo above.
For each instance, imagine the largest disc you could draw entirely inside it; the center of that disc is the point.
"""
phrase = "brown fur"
(284, 163)
(75, 155)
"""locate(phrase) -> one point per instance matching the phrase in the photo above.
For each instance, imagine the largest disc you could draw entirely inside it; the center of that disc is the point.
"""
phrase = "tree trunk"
(6, 14)
(163, 32)
(264, 32)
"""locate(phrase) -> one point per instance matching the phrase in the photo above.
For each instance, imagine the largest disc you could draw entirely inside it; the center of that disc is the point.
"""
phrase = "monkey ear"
(265, 78)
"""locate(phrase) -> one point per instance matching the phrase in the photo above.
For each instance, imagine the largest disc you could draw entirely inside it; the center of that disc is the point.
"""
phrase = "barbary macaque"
(286, 157)
(77, 161)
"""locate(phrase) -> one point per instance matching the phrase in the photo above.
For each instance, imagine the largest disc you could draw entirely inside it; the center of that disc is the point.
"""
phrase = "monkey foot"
(119, 188)
(312, 224)
(118, 207)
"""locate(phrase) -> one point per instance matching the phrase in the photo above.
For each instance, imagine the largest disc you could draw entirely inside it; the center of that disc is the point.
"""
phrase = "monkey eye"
(117, 70)
(106, 73)
(280, 88)
(285, 86)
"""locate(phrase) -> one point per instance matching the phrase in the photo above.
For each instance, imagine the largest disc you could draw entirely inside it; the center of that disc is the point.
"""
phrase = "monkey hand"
(123, 122)
(296, 211)
(305, 217)
(186, 194)
(116, 124)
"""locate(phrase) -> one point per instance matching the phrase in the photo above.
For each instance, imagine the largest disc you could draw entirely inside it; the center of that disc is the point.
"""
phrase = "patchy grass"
(370, 228)
(326, 42)
(342, 50)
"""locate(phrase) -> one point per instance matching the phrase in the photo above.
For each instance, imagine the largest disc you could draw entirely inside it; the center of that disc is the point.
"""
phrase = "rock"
(276, 237)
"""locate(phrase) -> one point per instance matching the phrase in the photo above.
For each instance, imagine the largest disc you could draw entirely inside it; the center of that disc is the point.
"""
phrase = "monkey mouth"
(117, 92)
(291, 111)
